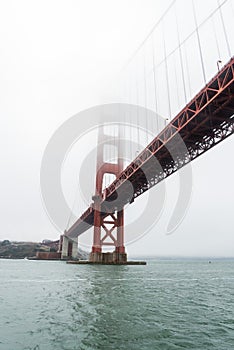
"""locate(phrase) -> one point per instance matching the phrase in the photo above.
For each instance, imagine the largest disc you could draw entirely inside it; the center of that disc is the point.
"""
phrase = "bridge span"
(204, 122)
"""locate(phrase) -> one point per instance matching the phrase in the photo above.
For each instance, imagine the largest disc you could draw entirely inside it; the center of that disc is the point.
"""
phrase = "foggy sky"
(58, 58)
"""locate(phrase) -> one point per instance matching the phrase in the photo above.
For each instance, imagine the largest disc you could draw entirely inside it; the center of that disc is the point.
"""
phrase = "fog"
(59, 58)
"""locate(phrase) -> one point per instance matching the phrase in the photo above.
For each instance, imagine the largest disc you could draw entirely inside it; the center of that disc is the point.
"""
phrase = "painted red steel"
(204, 122)
(109, 222)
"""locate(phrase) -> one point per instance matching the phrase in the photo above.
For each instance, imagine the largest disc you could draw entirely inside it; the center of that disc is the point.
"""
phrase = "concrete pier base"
(87, 262)
(108, 258)
(69, 248)
(114, 258)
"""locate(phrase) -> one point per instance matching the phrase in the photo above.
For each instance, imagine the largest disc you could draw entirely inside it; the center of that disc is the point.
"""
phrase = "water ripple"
(165, 305)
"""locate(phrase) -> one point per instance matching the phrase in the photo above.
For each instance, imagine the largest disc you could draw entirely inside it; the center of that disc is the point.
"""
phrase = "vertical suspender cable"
(110, 151)
(166, 66)
(116, 143)
(155, 26)
(125, 111)
(130, 119)
(137, 104)
(125, 122)
(177, 87)
(125, 118)
(187, 68)
(112, 131)
(105, 158)
(224, 29)
(199, 42)
(119, 136)
(145, 93)
(122, 134)
(216, 38)
(180, 54)
(138, 116)
(232, 8)
(155, 84)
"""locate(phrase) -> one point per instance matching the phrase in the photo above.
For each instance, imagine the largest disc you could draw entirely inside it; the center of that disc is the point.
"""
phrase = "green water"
(164, 305)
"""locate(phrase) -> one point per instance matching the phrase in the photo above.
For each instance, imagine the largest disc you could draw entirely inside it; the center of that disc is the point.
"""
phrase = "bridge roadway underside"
(207, 120)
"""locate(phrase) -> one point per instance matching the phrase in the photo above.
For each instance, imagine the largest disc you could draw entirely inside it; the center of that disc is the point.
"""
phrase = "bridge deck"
(204, 122)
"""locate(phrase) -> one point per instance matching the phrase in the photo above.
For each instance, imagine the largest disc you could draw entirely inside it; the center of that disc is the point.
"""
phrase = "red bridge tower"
(108, 225)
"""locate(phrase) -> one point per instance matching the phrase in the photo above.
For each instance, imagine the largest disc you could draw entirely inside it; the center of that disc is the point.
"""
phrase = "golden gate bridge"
(170, 67)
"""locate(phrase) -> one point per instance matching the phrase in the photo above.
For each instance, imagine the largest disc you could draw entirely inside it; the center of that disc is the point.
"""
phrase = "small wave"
(44, 281)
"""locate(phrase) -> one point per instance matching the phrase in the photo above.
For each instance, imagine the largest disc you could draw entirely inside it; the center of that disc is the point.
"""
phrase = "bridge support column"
(108, 222)
(96, 253)
(97, 225)
(64, 254)
(60, 244)
(119, 255)
(69, 248)
(75, 248)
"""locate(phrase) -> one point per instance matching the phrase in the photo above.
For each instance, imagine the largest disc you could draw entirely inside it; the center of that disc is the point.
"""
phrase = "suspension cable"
(187, 68)
(138, 117)
(183, 42)
(177, 86)
(199, 42)
(149, 34)
(145, 93)
(224, 29)
(130, 119)
(155, 84)
(180, 54)
(166, 67)
(216, 39)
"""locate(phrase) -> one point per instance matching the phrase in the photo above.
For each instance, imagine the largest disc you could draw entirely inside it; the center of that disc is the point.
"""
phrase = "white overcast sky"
(58, 58)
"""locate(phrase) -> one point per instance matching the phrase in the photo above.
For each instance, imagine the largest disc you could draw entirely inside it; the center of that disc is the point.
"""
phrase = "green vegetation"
(21, 250)
(18, 250)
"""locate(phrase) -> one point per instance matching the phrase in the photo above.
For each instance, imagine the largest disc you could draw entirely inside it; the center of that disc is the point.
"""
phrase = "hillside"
(21, 250)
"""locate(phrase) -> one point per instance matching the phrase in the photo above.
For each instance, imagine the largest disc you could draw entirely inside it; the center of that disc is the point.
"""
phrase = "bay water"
(167, 304)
